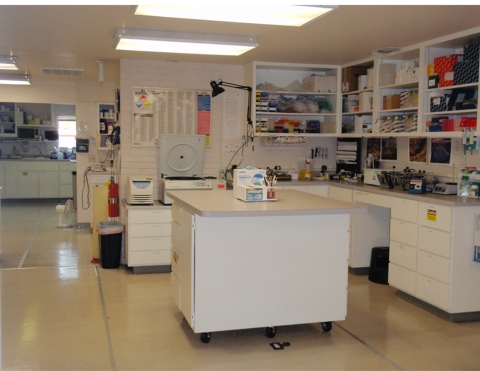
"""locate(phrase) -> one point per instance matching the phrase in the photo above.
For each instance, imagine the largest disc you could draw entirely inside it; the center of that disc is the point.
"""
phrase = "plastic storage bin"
(110, 241)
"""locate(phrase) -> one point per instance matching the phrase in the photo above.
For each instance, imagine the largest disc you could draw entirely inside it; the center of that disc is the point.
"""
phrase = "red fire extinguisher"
(113, 207)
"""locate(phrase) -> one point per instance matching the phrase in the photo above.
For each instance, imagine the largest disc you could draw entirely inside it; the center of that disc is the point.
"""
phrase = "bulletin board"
(158, 111)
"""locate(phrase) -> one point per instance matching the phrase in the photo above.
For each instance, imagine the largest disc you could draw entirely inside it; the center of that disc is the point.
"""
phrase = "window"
(67, 130)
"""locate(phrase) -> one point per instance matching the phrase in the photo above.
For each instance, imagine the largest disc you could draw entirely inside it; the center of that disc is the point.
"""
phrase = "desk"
(239, 265)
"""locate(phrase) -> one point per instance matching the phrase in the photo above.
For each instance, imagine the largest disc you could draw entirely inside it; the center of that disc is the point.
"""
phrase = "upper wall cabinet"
(13, 115)
(428, 89)
(451, 85)
(396, 96)
(294, 99)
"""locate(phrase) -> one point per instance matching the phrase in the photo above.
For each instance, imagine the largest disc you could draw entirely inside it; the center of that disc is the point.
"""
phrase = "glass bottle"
(464, 186)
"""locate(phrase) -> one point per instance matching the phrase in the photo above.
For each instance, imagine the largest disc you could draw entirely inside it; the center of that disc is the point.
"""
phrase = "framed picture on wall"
(389, 149)
(440, 150)
(417, 149)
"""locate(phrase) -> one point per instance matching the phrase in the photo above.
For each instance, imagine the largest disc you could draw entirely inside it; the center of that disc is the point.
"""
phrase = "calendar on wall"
(158, 111)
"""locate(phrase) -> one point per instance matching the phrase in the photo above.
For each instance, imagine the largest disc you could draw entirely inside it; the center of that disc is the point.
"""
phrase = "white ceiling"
(63, 36)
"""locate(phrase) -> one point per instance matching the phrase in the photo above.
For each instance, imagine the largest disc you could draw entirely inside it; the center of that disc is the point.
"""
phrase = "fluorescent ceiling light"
(6, 79)
(285, 15)
(180, 42)
(8, 62)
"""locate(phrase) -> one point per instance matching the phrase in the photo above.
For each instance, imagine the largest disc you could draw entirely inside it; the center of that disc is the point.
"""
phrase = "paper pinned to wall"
(159, 111)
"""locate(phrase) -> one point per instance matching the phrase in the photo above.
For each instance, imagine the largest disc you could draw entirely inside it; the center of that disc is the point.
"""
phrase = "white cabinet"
(2, 181)
(403, 244)
(319, 190)
(148, 236)
(341, 194)
(11, 181)
(293, 102)
(65, 187)
(225, 280)
(48, 184)
(37, 179)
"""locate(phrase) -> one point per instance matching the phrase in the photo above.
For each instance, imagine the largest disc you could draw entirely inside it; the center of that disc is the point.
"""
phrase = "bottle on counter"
(464, 187)
(308, 170)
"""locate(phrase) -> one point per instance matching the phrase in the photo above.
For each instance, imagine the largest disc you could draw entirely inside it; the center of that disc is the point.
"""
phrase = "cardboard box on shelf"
(370, 77)
(328, 127)
(391, 101)
(430, 70)
(465, 72)
(365, 102)
(362, 82)
(439, 104)
(350, 77)
(320, 83)
(446, 63)
(363, 124)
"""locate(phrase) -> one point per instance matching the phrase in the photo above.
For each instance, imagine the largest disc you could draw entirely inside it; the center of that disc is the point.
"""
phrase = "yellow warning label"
(432, 215)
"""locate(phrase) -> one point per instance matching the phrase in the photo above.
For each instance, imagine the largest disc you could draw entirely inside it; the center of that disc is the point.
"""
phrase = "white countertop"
(289, 202)
(438, 199)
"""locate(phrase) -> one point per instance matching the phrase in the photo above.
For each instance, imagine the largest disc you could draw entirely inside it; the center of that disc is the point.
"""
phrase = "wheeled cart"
(238, 265)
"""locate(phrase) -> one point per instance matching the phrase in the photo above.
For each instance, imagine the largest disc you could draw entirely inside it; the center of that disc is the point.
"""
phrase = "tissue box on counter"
(249, 185)
(245, 193)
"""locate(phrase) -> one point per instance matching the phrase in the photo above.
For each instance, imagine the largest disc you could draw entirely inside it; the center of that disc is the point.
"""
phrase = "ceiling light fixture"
(284, 15)
(180, 42)
(7, 79)
(8, 62)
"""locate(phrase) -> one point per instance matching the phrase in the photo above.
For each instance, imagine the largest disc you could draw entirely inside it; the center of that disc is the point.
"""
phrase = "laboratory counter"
(289, 202)
(439, 199)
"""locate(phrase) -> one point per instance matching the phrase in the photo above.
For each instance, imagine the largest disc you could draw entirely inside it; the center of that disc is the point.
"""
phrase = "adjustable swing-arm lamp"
(216, 90)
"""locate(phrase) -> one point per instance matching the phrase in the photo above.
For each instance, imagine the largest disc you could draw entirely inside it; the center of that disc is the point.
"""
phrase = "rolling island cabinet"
(238, 265)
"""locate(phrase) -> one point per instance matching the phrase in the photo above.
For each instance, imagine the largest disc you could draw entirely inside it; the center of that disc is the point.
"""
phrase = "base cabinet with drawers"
(37, 179)
(148, 235)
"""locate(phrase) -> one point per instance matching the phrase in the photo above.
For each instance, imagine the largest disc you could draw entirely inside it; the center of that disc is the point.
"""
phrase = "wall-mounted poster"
(159, 111)
(389, 149)
(417, 149)
(441, 149)
(373, 147)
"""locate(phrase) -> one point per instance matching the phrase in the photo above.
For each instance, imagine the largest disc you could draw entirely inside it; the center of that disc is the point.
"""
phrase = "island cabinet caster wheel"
(270, 332)
(205, 337)
(326, 326)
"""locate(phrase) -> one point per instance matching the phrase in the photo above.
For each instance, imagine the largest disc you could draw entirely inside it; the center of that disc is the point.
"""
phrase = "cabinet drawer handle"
(430, 231)
(402, 247)
(429, 255)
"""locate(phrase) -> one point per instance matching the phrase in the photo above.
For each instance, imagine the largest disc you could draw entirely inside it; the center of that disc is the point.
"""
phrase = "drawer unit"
(146, 258)
(404, 209)
(435, 241)
(433, 291)
(148, 236)
(402, 278)
(435, 216)
(371, 198)
(403, 255)
(433, 266)
(341, 194)
(403, 232)
(150, 230)
(150, 216)
(149, 243)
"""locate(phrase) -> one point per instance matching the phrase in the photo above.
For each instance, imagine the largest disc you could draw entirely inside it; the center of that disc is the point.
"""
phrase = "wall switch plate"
(91, 157)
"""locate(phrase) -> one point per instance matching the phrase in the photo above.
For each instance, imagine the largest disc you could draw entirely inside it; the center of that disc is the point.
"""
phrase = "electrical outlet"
(91, 157)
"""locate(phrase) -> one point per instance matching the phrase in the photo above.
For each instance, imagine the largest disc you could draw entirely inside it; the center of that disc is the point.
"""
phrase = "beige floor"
(60, 312)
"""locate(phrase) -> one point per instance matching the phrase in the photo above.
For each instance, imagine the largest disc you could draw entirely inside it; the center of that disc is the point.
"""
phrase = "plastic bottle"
(308, 171)
(464, 187)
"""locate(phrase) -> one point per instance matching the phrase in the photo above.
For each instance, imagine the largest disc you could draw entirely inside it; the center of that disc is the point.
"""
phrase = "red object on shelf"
(446, 79)
(446, 63)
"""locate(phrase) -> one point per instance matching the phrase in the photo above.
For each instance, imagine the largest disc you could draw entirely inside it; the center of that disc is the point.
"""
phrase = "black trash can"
(379, 260)
(110, 242)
